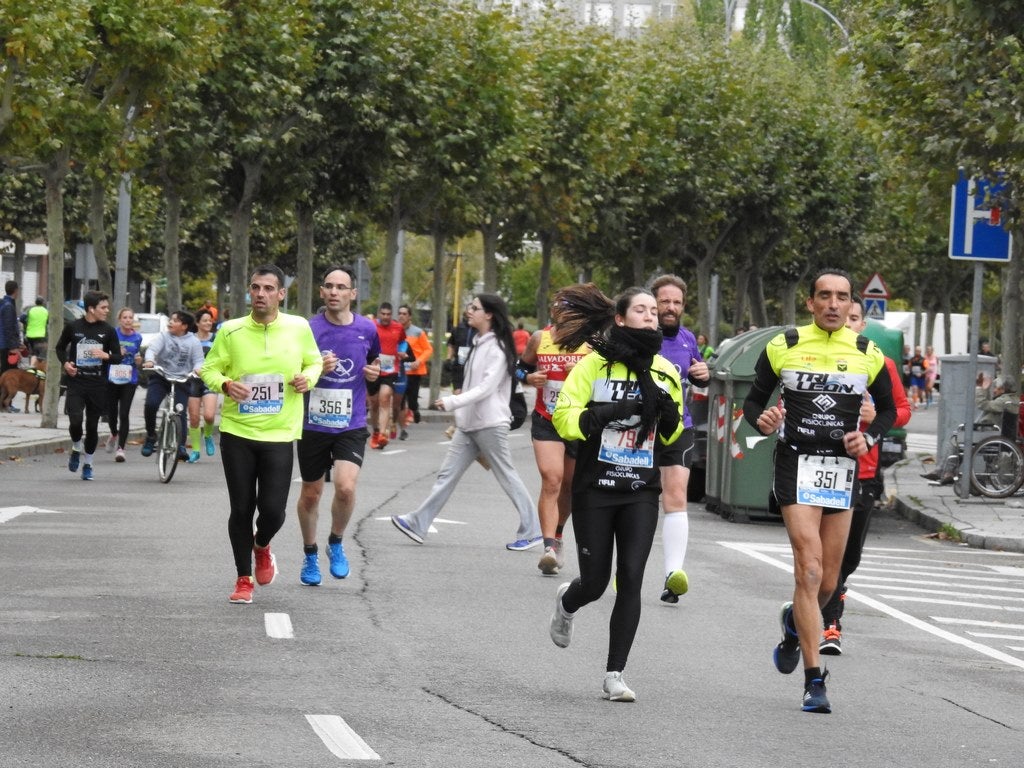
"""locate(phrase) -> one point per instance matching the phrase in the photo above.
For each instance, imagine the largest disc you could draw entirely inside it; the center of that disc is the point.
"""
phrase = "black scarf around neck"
(635, 348)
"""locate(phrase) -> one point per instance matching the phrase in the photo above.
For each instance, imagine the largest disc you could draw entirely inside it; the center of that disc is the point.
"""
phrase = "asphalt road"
(118, 646)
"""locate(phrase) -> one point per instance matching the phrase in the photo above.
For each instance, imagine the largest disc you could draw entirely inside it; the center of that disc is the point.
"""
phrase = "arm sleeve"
(196, 351)
(62, 343)
(765, 381)
(573, 399)
(312, 360)
(885, 406)
(494, 372)
(899, 394)
(216, 364)
(155, 348)
(374, 351)
(673, 430)
(112, 346)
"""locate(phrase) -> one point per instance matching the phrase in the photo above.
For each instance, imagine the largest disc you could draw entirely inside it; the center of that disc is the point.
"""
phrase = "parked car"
(150, 326)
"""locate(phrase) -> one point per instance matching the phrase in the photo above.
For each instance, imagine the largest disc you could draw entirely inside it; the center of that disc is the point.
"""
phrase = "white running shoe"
(111, 443)
(549, 562)
(561, 622)
(615, 688)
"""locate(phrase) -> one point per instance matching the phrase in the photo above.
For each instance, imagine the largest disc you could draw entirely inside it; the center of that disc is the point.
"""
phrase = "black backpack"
(517, 404)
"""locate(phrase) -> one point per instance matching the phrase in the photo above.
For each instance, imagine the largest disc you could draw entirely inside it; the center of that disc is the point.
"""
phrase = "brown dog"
(31, 382)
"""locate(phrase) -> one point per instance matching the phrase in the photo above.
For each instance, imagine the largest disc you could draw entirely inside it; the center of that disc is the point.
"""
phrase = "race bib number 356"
(330, 407)
(267, 396)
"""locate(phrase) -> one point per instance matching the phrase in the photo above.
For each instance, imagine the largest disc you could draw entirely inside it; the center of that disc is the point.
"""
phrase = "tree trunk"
(19, 268)
(439, 317)
(547, 241)
(241, 224)
(172, 238)
(304, 257)
(97, 226)
(54, 177)
(391, 246)
(489, 233)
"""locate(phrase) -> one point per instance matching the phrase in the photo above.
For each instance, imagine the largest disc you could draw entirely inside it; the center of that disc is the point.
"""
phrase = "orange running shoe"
(266, 565)
(243, 590)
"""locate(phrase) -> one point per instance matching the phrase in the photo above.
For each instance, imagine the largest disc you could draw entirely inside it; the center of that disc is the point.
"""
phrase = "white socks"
(675, 534)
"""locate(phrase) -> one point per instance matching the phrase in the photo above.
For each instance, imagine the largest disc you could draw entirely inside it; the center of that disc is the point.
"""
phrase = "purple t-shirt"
(338, 401)
(681, 350)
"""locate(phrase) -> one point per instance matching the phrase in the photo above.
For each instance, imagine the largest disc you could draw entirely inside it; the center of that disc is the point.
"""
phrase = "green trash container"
(740, 460)
(890, 341)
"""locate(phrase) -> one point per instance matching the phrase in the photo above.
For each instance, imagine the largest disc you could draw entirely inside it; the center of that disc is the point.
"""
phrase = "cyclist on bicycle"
(178, 353)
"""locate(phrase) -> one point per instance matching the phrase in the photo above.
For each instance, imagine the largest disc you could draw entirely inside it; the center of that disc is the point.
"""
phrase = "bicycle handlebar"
(176, 379)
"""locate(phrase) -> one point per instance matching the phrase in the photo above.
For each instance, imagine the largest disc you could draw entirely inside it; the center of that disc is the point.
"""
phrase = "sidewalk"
(984, 523)
(21, 436)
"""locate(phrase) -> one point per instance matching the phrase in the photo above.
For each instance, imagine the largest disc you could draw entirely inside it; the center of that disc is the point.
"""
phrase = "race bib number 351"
(267, 395)
(825, 481)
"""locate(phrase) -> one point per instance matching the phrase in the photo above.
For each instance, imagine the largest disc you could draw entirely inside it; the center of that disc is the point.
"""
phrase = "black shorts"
(543, 430)
(680, 453)
(783, 492)
(373, 387)
(319, 450)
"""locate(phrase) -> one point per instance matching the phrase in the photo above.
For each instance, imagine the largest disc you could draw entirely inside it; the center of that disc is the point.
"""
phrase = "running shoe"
(549, 562)
(787, 652)
(119, 457)
(193, 457)
(73, 460)
(520, 545)
(382, 442)
(615, 688)
(375, 440)
(243, 590)
(87, 471)
(339, 563)
(149, 446)
(404, 434)
(561, 622)
(266, 566)
(111, 442)
(676, 584)
(310, 573)
(393, 434)
(208, 441)
(399, 522)
(183, 454)
(831, 643)
(815, 698)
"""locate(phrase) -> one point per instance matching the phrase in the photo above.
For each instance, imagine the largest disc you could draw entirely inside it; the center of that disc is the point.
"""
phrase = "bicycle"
(996, 465)
(168, 425)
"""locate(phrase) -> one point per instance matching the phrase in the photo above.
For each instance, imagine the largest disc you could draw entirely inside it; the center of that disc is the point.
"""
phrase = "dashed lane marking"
(9, 513)
(279, 626)
(340, 739)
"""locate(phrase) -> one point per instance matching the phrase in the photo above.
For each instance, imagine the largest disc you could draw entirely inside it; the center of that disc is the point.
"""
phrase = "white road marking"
(948, 593)
(9, 513)
(279, 626)
(752, 551)
(996, 635)
(882, 580)
(976, 623)
(339, 737)
(960, 603)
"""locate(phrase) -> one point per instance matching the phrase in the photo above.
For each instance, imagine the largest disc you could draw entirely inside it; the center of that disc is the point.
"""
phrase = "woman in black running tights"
(624, 403)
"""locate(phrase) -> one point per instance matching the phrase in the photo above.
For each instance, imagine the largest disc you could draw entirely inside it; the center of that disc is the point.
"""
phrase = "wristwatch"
(870, 440)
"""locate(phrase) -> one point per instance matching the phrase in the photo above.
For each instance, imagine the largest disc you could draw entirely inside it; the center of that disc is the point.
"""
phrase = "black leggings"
(412, 395)
(859, 522)
(88, 401)
(628, 527)
(258, 476)
(119, 402)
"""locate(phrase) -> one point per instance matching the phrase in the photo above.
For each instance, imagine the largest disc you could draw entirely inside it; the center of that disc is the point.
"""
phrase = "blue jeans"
(157, 391)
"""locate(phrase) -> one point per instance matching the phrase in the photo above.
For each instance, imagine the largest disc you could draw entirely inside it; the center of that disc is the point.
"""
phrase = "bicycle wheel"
(997, 467)
(167, 451)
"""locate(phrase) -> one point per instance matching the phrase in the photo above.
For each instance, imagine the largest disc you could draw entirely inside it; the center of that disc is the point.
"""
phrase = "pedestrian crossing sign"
(874, 308)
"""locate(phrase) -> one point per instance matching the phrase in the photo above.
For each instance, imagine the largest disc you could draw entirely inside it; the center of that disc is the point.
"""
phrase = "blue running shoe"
(310, 574)
(73, 460)
(815, 699)
(339, 563)
(208, 442)
(87, 472)
(787, 652)
(149, 446)
(193, 457)
(520, 545)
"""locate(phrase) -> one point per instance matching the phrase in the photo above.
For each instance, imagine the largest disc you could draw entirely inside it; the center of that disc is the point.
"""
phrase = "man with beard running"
(681, 349)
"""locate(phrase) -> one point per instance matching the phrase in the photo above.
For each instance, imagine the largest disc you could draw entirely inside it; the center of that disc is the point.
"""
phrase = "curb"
(973, 537)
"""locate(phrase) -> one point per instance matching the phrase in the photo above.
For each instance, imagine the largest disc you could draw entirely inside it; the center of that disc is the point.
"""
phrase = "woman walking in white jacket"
(482, 418)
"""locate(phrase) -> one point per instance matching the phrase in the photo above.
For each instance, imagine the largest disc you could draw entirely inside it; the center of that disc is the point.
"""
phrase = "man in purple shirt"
(681, 349)
(334, 433)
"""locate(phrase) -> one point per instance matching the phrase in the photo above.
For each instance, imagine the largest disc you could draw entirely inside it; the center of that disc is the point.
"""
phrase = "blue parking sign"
(975, 223)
